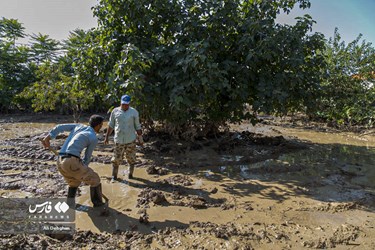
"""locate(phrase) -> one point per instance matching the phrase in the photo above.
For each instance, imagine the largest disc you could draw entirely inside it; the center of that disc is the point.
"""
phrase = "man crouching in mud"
(74, 169)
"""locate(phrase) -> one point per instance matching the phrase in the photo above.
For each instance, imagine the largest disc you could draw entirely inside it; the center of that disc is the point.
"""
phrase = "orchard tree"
(15, 70)
(43, 48)
(348, 92)
(89, 63)
(57, 91)
(195, 65)
(58, 87)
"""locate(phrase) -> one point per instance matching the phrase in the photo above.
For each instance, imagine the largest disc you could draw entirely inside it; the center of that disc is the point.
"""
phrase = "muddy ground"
(278, 185)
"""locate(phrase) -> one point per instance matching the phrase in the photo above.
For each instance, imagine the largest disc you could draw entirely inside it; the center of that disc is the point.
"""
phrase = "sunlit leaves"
(15, 69)
(55, 91)
(348, 93)
(43, 48)
(193, 61)
(11, 29)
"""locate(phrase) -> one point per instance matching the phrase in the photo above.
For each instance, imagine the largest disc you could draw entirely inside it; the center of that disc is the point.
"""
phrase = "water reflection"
(354, 162)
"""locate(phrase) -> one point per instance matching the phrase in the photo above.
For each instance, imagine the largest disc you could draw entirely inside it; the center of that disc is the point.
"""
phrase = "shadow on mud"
(325, 172)
(117, 222)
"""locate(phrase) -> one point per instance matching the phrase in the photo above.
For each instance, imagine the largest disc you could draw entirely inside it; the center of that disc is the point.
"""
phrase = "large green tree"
(58, 86)
(15, 70)
(91, 65)
(197, 64)
(348, 91)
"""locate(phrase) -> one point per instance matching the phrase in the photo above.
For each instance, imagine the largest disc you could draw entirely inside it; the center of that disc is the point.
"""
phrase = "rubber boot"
(72, 196)
(114, 172)
(131, 171)
(96, 196)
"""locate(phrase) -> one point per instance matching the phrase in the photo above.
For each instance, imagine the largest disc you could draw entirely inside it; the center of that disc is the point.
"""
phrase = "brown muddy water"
(262, 187)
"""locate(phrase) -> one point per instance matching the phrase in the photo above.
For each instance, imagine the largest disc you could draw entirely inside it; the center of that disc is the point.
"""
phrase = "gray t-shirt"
(125, 124)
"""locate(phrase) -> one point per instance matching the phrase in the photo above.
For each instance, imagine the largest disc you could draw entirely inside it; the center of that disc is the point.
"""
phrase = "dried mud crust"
(199, 235)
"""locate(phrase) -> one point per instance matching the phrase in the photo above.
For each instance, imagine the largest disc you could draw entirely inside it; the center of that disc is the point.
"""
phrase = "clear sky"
(50, 17)
(57, 17)
(351, 17)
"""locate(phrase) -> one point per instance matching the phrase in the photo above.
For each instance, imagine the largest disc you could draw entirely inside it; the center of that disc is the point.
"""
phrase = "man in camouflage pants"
(124, 120)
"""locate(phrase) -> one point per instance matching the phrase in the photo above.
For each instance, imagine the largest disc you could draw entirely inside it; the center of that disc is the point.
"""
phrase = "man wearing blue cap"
(124, 120)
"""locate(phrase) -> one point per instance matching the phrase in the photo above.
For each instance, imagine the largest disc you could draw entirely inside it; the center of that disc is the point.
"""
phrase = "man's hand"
(140, 140)
(105, 140)
(109, 132)
(45, 141)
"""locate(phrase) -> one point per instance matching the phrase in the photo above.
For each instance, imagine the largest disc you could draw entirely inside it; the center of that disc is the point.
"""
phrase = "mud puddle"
(262, 187)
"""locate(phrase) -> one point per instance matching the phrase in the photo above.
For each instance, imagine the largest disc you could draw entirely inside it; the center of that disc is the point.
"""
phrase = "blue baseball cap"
(125, 99)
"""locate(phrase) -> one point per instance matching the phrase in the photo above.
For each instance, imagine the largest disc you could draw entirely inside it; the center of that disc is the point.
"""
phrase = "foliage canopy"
(191, 65)
(199, 64)
(347, 95)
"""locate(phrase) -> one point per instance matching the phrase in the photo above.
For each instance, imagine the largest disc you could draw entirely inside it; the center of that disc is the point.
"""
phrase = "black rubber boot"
(131, 171)
(72, 191)
(114, 172)
(96, 196)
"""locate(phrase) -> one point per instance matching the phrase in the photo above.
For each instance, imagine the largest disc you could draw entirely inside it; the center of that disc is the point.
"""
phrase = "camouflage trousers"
(120, 149)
